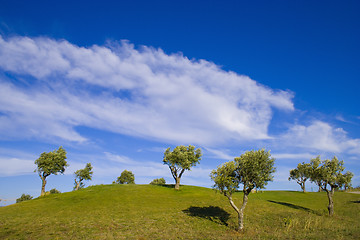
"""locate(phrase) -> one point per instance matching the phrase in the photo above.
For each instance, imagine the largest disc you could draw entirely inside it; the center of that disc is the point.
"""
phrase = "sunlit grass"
(160, 212)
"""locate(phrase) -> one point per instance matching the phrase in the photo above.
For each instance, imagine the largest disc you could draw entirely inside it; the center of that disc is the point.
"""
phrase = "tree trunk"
(241, 213)
(303, 187)
(330, 195)
(237, 210)
(43, 179)
(77, 185)
(177, 184)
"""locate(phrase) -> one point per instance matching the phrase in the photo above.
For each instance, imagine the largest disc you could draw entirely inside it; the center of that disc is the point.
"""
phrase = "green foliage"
(346, 180)
(225, 178)
(126, 177)
(24, 197)
(54, 191)
(158, 181)
(51, 163)
(301, 174)
(180, 159)
(255, 169)
(328, 174)
(83, 174)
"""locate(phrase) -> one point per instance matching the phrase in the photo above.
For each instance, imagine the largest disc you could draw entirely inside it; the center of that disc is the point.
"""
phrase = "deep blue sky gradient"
(310, 48)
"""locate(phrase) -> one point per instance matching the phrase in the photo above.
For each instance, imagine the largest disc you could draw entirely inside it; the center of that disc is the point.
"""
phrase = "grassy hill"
(160, 212)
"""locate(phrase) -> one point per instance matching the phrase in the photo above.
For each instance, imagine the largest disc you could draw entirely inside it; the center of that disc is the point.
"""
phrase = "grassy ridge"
(160, 212)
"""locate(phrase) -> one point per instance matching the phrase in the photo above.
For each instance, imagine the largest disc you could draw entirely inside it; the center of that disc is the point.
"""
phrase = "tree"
(180, 159)
(300, 174)
(329, 177)
(50, 163)
(158, 181)
(126, 177)
(253, 169)
(82, 174)
(24, 197)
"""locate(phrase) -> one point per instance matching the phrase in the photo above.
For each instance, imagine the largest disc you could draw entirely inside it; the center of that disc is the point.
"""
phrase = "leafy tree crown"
(303, 170)
(52, 162)
(329, 173)
(85, 173)
(182, 157)
(253, 169)
(126, 177)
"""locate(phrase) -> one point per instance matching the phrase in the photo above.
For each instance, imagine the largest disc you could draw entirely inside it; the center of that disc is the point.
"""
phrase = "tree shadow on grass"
(296, 207)
(214, 214)
(355, 201)
(166, 185)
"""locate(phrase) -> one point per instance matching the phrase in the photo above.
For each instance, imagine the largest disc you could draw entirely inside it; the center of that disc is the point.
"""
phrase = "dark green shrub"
(24, 197)
(158, 181)
(54, 190)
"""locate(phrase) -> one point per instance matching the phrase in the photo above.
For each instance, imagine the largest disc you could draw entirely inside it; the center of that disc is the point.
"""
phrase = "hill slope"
(160, 212)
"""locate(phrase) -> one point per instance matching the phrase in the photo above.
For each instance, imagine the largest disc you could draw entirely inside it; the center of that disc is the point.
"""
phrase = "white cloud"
(139, 92)
(16, 166)
(321, 136)
(221, 154)
(298, 156)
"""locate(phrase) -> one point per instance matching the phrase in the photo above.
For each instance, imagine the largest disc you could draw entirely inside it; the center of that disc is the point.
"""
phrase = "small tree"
(253, 169)
(50, 163)
(24, 197)
(126, 177)
(82, 174)
(301, 174)
(180, 159)
(329, 177)
(158, 181)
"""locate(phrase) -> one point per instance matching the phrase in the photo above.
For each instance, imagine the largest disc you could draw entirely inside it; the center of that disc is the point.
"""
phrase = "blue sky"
(117, 82)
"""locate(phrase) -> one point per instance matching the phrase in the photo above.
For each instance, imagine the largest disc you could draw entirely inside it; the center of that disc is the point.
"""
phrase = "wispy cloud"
(321, 136)
(297, 156)
(16, 166)
(140, 92)
(221, 154)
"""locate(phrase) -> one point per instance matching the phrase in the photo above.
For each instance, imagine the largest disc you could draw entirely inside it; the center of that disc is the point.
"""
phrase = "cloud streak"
(139, 92)
(321, 136)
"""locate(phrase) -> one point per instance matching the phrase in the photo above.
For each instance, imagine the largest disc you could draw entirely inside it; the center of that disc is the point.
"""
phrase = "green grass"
(159, 212)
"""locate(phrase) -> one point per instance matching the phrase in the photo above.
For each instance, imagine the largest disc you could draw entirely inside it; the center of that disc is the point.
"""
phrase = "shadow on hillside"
(214, 214)
(295, 207)
(168, 185)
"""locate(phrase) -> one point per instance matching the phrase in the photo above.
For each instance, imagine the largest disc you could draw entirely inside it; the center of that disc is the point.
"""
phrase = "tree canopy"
(180, 159)
(50, 163)
(126, 177)
(83, 174)
(253, 169)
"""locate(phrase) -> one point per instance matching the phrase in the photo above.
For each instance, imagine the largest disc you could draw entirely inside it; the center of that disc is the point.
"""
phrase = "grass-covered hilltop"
(159, 212)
